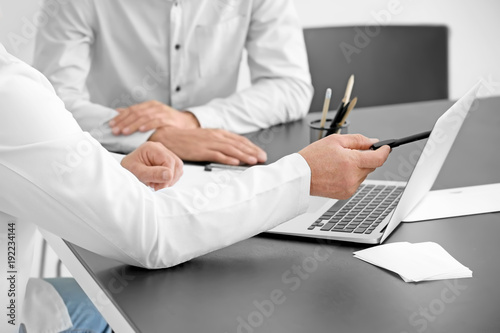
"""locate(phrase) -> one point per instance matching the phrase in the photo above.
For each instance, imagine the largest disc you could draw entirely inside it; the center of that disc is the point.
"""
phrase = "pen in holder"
(317, 132)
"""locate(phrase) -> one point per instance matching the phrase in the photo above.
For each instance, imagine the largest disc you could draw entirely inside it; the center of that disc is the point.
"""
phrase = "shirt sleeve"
(63, 52)
(281, 89)
(64, 181)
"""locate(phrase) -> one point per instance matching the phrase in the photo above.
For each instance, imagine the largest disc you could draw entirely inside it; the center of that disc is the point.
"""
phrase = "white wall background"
(474, 29)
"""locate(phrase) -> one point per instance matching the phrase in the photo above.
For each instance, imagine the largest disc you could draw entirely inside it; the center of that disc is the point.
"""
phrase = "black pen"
(348, 108)
(338, 116)
(398, 142)
(342, 107)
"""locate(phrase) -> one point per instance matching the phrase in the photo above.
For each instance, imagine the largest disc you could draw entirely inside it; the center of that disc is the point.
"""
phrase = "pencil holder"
(317, 132)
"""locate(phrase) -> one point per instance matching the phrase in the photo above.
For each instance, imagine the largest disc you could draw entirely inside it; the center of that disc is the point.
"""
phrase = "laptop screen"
(432, 157)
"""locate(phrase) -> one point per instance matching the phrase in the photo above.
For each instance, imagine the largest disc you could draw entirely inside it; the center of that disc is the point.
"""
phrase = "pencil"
(351, 106)
(348, 89)
(326, 106)
(343, 106)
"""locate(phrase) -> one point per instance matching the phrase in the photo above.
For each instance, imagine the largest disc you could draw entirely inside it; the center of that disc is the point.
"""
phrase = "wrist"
(190, 120)
(157, 135)
(166, 135)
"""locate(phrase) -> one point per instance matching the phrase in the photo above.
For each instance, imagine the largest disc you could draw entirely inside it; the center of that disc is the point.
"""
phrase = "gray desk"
(219, 291)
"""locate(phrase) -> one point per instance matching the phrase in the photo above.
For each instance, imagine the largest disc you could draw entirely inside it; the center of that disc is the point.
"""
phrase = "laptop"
(378, 206)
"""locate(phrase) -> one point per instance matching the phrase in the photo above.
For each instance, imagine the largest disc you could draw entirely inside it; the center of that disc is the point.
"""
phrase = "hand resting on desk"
(206, 144)
(150, 115)
(180, 132)
(340, 163)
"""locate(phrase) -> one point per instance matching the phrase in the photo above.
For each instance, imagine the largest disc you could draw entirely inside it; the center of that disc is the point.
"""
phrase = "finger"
(132, 125)
(246, 154)
(123, 113)
(120, 111)
(117, 122)
(230, 149)
(355, 141)
(247, 147)
(157, 186)
(151, 125)
(253, 150)
(136, 119)
(219, 157)
(159, 155)
(177, 166)
(154, 174)
(121, 123)
(178, 171)
(371, 159)
(145, 113)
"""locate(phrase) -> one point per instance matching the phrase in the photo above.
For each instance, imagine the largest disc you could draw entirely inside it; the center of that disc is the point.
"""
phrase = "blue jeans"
(84, 315)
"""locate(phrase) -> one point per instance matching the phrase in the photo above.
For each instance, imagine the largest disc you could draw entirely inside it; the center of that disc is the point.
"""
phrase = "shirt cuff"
(304, 171)
(207, 116)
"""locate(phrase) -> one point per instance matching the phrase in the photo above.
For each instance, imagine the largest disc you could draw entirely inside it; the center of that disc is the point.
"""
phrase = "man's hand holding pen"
(340, 163)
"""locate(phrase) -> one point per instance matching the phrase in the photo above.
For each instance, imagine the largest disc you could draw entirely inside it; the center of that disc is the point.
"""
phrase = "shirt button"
(178, 88)
(177, 46)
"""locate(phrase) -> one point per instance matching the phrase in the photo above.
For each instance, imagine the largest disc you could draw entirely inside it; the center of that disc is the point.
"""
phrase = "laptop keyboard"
(361, 213)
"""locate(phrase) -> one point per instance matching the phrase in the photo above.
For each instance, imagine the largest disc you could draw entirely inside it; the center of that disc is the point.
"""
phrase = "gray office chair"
(391, 64)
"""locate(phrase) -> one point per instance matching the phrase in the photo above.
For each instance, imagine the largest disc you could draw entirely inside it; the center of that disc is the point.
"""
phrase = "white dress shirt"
(56, 177)
(104, 54)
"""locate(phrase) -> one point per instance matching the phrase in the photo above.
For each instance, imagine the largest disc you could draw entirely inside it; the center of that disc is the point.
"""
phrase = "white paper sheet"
(415, 262)
(459, 201)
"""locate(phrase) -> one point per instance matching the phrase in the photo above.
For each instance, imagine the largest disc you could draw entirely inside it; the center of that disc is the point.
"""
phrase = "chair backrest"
(391, 64)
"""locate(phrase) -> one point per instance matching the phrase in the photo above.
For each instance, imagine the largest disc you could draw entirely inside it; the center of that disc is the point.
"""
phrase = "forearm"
(250, 203)
(76, 190)
(98, 205)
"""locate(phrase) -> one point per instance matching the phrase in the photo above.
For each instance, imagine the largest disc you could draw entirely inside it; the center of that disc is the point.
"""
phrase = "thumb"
(356, 141)
(153, 174)
(373, 159)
